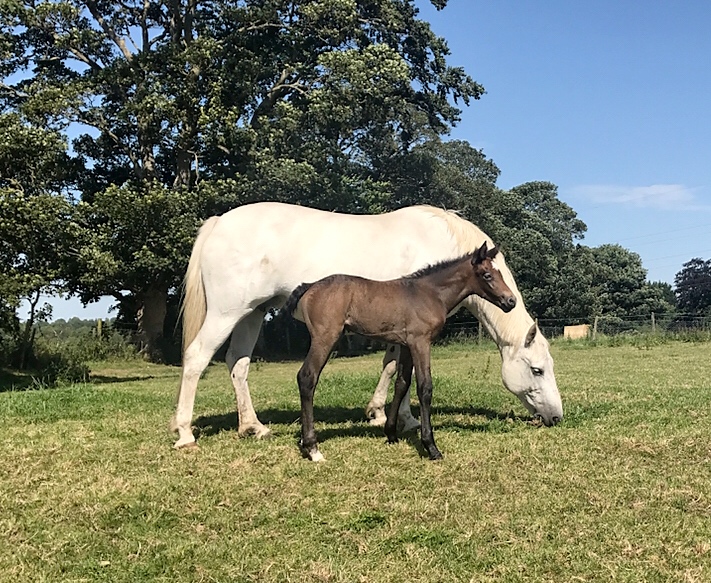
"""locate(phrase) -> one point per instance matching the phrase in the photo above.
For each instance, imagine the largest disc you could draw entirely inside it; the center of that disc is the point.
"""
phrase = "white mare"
(253, 257)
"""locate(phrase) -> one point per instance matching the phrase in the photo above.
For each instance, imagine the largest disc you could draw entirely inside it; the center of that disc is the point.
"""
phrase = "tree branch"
(110, 32)
(280, 88)
(102, 126)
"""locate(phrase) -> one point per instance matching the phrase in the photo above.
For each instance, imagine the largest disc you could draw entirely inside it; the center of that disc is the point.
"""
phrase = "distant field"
(90, 489)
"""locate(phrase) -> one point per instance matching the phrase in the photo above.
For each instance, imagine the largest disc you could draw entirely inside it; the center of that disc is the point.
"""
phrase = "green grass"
(90, 489)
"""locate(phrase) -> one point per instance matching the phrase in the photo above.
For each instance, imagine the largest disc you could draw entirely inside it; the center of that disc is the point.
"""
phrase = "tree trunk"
(150, 318)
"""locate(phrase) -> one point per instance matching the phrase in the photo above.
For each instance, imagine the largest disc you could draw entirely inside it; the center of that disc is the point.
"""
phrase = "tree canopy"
(192, 107)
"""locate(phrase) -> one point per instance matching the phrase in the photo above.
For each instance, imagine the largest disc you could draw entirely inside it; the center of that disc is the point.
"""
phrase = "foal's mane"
(435, 267)
(508, 328)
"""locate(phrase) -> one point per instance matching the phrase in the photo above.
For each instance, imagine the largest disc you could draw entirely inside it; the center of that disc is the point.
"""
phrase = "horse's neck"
(452, 285)
(505, 329)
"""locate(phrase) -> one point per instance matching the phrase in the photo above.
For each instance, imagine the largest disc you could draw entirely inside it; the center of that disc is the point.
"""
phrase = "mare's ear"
(530, 336)
(480, 254)
(493, 252)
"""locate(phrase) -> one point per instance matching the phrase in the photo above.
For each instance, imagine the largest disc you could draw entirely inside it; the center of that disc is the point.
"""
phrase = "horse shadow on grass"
(351, 422)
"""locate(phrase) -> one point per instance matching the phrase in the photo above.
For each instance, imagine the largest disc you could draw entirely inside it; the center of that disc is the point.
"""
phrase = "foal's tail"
(194, 305)
(293, 301)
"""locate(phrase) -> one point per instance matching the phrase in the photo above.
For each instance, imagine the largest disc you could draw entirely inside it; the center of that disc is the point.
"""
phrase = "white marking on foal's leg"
(316, 456)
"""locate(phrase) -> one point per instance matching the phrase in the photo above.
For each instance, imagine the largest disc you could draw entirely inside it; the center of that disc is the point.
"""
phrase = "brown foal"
(409, 311)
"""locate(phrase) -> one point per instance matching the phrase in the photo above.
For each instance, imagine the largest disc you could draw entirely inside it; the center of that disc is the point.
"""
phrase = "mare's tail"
(294, 298)
(194, 305)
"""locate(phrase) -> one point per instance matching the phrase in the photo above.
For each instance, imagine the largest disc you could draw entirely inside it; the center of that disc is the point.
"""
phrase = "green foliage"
(35, 228)
(693, 287)
(286, 100)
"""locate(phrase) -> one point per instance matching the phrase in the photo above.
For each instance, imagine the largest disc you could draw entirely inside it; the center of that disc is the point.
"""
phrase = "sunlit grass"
(90, 489)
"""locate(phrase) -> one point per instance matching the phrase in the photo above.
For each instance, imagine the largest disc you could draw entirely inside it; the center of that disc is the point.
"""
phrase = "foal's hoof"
(317, 456)
(435, 456)
(313, 455)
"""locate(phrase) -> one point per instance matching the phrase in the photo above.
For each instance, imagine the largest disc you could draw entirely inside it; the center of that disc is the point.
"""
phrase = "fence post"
(479, 333)
(98, 328)
(594, 333)
(654, 324)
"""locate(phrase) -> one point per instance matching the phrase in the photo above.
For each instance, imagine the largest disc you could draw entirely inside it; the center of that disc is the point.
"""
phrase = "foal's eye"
(487, 276)
(537, 372)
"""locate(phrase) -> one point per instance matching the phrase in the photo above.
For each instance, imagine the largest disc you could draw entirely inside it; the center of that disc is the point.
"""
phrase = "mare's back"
(290, 243)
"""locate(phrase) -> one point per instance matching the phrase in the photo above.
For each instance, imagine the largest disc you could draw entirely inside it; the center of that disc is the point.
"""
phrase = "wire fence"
(671, 323)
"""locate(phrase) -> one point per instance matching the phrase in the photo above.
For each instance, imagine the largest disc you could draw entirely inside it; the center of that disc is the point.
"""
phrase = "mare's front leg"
(421, 360)
(402, 386)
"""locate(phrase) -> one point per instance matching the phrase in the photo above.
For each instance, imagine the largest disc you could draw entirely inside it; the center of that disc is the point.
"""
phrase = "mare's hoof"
(257, 431)
(189, 446)
(435, 456)
(375, 415)
(391, 440)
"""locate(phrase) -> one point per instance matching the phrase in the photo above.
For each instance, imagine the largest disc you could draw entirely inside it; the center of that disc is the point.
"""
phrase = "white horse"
(251, 258)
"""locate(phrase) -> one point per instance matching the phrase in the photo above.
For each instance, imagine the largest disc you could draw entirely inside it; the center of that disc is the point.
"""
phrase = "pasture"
(91, 490)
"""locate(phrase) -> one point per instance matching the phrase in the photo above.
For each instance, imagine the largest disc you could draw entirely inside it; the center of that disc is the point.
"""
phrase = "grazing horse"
(410, 311)
(251, 258)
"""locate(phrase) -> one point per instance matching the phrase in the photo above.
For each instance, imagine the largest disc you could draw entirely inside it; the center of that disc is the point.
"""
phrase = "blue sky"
(609, 100)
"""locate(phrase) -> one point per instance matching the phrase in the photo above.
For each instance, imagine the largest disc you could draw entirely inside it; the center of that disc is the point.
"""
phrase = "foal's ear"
(480, 254)
(493, 252)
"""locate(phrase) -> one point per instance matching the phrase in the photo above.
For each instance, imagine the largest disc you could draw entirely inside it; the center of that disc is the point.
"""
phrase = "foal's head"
(488, 280)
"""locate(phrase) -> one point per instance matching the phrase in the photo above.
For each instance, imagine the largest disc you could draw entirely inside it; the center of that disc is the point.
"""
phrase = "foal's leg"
(307, 378)
(375, 411)
(239, 355)
(421, 360)
(402, 387)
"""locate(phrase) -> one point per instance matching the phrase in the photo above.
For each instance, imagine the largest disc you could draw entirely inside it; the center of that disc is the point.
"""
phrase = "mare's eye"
(537, 372)
(487, 276)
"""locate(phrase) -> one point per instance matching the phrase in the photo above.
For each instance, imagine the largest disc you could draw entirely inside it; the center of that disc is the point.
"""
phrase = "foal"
(409, 311)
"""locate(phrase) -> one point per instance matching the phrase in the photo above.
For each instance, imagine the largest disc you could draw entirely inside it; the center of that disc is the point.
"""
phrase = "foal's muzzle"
(508, 303)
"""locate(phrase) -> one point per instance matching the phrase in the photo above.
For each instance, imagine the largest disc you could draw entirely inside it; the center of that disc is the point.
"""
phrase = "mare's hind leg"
(402, 388)
(307, 378)
(239, 355)
(197, 356)
(375, 411)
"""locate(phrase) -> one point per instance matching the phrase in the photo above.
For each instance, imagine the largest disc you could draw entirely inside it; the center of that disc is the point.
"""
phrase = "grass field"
(90, 489)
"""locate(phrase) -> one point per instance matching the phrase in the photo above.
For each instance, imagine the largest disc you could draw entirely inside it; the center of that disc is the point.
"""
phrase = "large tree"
(36, 175)
(692, 285)
(184, 108)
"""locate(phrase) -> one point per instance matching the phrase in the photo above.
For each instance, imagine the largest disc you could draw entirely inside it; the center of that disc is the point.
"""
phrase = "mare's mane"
(508, 328)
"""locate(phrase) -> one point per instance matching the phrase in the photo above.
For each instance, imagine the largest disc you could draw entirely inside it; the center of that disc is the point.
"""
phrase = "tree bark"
(150, 317)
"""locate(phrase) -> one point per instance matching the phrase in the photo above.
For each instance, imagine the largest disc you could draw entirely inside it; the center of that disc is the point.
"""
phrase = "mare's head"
(489, 281)
(527, 371)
